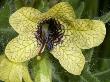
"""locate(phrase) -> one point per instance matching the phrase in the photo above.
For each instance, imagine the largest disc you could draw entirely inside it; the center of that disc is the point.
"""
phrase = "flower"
(59, 31)
(13, 72)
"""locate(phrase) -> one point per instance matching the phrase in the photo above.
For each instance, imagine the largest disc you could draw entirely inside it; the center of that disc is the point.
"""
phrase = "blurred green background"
(97, 68)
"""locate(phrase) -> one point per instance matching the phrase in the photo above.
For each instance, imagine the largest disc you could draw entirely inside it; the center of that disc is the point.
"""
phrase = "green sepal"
(42, 69)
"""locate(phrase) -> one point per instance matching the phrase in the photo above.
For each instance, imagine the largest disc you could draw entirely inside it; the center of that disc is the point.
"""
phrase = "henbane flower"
(13, 72)
(59, 31)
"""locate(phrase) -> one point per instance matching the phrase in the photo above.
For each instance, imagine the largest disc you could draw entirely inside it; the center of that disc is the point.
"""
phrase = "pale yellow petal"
(22, 48)
(70, 57)
(86, 33)
(25, 19)
(13, 72)
(1, 57)
(26, 75)
(62, 11)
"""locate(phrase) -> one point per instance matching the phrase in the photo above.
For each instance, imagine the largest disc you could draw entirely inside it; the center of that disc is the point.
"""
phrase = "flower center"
(49, 33)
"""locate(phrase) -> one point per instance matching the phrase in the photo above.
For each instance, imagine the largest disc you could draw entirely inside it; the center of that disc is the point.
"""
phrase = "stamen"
(49, 33)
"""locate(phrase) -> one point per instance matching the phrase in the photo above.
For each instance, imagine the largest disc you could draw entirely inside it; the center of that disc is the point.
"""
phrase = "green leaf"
(80, 9)
(105, 18)
(87, 76)
(19, 3)
(91, 8)
(2, 3)
(103, 69)
(5, 31)
(74, 3)
(43, 6)
(4, 16)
